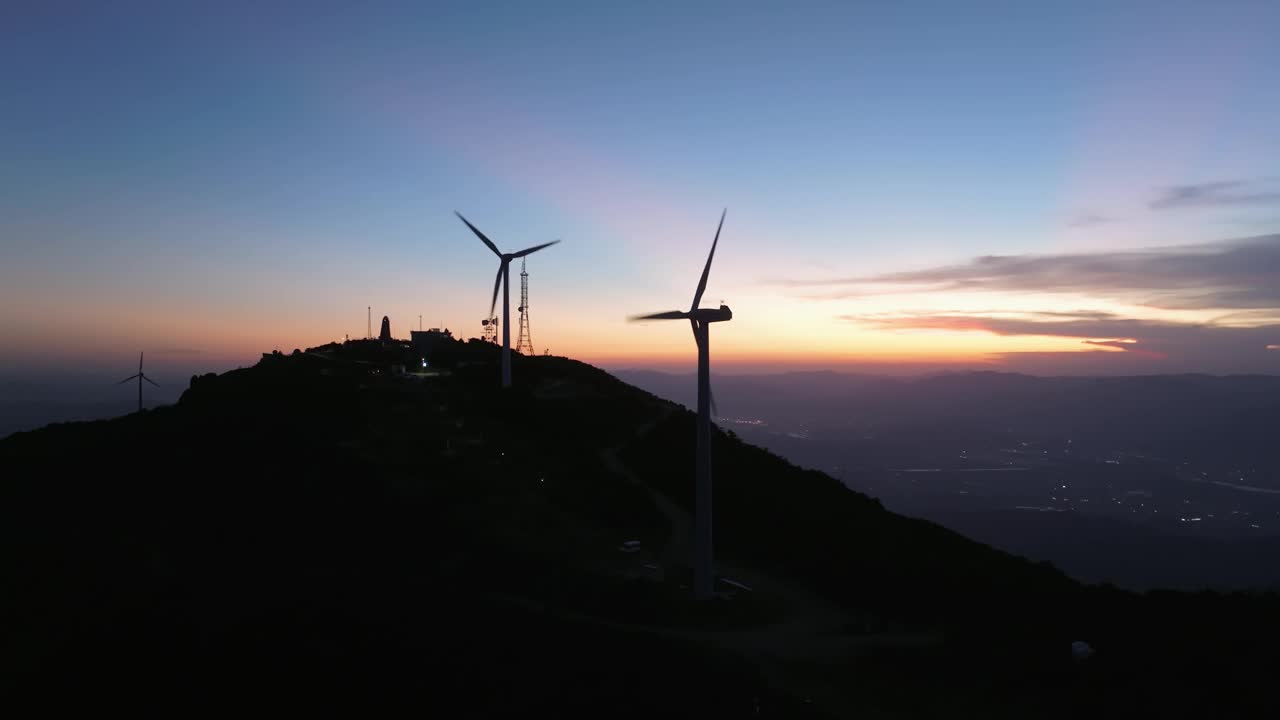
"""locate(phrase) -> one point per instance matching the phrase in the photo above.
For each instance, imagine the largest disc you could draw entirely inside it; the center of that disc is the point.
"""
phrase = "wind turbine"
(140, 377)
(700, 320)
(503, 279)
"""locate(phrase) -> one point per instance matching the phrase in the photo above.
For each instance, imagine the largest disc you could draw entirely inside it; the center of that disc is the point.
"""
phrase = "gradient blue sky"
(208, 181)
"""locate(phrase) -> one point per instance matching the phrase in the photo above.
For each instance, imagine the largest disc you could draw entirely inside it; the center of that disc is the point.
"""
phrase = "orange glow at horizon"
(767, 329)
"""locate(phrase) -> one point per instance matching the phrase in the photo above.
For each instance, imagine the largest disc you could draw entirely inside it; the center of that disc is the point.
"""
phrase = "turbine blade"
(497, 283)
(715, 411)
(669, 315)
(153, 382)
(479, 234)
(131, 377)
(702, 284)
(140, 362)
(534, 249)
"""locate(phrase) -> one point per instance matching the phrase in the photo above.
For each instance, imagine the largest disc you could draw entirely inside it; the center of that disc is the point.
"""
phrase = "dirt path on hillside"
(678, 548)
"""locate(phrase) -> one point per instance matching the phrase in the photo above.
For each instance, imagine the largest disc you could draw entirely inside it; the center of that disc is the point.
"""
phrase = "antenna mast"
(525, 344)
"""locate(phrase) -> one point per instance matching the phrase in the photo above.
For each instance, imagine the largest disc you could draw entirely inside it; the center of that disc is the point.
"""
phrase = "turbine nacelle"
(710, 315)
(703, 315)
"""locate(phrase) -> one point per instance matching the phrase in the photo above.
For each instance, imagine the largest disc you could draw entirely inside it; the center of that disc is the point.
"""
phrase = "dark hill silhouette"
(319, 531)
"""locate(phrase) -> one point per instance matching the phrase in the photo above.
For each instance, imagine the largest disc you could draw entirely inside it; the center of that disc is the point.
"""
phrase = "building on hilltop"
(424, 341)
(385, 334)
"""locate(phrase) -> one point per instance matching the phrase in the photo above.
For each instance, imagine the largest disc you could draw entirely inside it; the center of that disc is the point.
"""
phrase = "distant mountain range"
(1201, 417)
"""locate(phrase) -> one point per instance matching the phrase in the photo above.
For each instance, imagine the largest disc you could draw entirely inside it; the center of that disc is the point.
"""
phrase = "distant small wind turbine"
(700, 319)
(140, 377)
(504, 280)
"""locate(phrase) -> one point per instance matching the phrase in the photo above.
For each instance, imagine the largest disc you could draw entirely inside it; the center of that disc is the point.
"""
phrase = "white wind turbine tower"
(139, 377)
(503, 279)
(700, 319)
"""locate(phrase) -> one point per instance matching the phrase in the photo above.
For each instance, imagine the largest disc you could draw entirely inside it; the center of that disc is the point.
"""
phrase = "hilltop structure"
(425, 341)
(385, 334)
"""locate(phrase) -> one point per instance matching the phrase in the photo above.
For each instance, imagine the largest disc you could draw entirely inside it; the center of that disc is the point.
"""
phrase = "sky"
(1044, 187)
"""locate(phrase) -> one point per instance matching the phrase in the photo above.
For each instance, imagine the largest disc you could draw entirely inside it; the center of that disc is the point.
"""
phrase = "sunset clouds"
(1211, 306)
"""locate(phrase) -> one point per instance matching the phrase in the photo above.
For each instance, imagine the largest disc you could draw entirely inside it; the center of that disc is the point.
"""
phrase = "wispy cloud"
(1089, 325)
(1228, 193)
(1232, 275)
(1126, 345)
